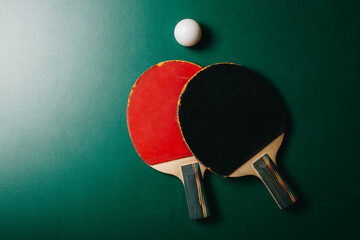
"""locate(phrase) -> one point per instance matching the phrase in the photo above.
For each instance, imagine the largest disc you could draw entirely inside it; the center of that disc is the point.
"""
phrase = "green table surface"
(68, 169)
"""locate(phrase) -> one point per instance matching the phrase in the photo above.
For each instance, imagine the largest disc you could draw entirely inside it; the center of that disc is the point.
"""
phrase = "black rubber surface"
(228, 113)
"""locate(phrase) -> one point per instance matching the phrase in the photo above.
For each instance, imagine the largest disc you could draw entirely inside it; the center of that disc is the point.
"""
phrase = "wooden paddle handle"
(195, 194)
(275, 183)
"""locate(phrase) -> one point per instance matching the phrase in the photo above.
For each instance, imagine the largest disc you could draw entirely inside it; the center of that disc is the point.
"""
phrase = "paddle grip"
(275, 183)
(195, 194)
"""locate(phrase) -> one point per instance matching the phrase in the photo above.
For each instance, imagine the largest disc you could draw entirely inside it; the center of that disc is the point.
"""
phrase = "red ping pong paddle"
(154, 131)
(234, 121)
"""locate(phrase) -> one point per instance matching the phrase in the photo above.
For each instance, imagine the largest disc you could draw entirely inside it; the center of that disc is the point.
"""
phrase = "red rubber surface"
(152, 112)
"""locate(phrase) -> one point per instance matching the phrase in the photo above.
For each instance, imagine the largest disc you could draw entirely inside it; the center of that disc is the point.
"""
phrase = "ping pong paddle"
(154, 131)
(233, 121)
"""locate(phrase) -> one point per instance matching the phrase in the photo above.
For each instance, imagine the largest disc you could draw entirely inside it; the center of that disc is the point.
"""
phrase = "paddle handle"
(275, 183)
(195, 194)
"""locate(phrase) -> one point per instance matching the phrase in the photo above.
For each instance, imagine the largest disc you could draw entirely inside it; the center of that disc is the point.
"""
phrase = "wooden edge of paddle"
(247, 168)
(174, 167)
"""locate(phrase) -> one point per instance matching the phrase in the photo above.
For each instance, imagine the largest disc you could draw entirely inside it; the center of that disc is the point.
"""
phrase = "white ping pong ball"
(187, 32)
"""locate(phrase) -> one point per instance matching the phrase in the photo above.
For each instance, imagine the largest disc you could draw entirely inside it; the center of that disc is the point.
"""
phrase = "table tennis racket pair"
(183, 120)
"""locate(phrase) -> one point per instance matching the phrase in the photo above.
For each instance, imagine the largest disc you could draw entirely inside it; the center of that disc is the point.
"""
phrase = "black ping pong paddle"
(233, 121)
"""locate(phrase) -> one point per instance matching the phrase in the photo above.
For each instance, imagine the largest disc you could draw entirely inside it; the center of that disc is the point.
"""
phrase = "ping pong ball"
(187, 32)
